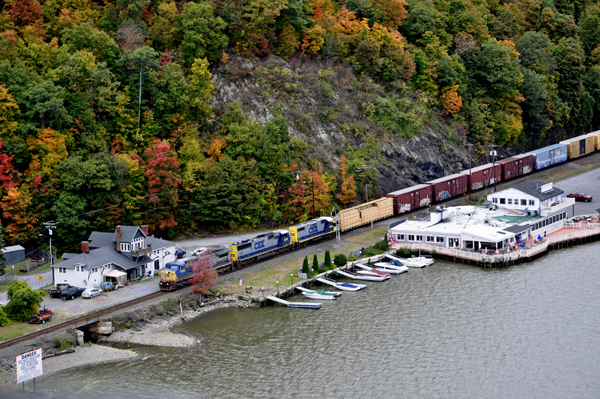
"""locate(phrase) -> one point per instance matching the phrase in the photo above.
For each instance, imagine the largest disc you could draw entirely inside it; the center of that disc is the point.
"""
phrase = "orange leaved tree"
(204, 275)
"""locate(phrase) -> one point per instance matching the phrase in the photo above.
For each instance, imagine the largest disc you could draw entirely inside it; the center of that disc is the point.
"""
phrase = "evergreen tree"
(305, 268)
(315, 264)
(327, 260)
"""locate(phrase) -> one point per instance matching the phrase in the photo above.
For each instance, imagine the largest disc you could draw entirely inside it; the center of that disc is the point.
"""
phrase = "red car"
(580, 197)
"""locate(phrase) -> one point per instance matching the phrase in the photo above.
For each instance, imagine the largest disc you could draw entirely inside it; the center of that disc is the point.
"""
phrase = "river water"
(445, 331)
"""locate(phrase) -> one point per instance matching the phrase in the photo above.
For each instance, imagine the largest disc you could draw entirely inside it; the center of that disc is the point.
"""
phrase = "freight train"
(268, 244)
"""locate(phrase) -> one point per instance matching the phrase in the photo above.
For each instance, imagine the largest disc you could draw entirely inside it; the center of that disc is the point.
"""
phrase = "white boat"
(410, 262)
(392, 267)
(428, 261)
(342, 286)
(369, 271)
(319, 294)
(361, 277)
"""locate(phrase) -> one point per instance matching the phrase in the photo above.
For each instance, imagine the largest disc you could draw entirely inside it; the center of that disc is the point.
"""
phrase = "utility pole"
(470, 165)
(50, 226)
(155, 222)
(367, 191)
(493, 154)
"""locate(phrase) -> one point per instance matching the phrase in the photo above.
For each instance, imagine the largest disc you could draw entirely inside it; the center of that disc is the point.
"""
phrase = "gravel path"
(83, 356)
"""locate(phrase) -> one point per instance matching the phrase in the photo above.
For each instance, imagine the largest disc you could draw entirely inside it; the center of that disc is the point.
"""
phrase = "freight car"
(411, 198)
(483, 176)
(449, 187)
(548, 156)
(175, 275)
(580, 145)
(366, 213)
(516, 166)
(597, 139)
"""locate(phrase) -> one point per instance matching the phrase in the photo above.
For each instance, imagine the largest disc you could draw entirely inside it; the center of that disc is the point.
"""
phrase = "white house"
(127, 254)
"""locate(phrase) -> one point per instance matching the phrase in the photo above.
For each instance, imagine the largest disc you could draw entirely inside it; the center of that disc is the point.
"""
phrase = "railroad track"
(79, 321)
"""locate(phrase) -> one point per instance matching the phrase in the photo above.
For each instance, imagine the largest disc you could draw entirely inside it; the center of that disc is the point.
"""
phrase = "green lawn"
(268, 277)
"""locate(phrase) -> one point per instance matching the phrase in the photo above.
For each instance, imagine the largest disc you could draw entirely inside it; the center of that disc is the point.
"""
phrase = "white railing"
(571, 225)
(593, 225)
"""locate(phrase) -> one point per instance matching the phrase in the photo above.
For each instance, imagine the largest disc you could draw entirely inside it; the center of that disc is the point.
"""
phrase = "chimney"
(145, 229)
(85, 246)
(118, 232)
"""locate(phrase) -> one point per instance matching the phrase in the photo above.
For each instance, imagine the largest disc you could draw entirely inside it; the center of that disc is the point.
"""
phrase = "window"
(156, 264)
(411, 237)
(495, 200)
(502, 200)
(510, 201)
(401, 237)
(62, 269)
(429, 238)
(523, 202)
(419, 238)
(107, 267)
(453, 242)
(439, 239)
(531, 202)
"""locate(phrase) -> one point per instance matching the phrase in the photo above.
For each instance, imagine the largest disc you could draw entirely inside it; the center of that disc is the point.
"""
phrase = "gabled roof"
(128, 233)
(103, 256)
(98, 239)
(532, 188)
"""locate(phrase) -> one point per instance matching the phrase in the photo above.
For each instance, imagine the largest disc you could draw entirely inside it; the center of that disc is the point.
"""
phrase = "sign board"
(29, 365)
(546, 187)
(40, 278)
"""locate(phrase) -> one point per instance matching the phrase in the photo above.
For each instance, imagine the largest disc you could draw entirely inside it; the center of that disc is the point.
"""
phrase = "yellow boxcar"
(596, 135)
(580, 145)
(366, 213)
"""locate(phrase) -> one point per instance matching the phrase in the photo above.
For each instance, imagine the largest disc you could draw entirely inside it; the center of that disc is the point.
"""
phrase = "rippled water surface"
(445, 331)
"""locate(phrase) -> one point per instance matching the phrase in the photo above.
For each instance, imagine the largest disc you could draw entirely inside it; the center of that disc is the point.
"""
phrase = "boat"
(342, 286)
(410, 262)
(369, 271)
(362, 277)
(428, 261)
(319, 294)
(392, 267)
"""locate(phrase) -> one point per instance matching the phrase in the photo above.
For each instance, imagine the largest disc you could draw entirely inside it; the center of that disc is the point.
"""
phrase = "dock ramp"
(302, 305)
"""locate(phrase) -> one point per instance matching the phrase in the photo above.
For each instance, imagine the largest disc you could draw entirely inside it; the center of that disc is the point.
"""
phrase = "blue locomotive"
(175, 275)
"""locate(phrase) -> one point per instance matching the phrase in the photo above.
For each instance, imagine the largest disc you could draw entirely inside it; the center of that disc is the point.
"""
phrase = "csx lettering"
(313, 229)
(259, 245)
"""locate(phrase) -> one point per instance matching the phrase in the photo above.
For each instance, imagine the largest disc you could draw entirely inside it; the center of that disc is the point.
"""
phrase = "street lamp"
(13, 271)
(263, 291)
(277, 282)
(291, 278)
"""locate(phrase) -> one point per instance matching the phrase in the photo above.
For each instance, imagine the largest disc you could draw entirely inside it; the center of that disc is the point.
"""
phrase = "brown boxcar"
(366, 213)
(483, 176)
(596, 135)
(516, 166)
(411, 198)
(448, 187)
(580, 145)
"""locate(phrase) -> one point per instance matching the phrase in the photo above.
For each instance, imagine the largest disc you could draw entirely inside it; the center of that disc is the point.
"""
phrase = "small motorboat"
(366, 277)
(392, 267)
(319, 294)
(369, 271)
(410, 262)
(428, 261)
(342, 286)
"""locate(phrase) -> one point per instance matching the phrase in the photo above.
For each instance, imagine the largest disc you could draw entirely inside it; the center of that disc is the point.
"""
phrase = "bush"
(3, 318)
(340, 260)
(61, 342)
(24, 301)
(382, 245)
(315, 264)
(305, 265)
(327, 265)
(352, 259)
(403, 251)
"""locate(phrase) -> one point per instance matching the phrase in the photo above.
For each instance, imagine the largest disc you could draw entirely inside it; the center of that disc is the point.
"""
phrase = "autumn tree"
(163, 180)
(347, 193)
(204, 276)
(203, 35)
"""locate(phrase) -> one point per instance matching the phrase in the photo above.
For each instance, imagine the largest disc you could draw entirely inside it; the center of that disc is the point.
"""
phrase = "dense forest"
(108, 112)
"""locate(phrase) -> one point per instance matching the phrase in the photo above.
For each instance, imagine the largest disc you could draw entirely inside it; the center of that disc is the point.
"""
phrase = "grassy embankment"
(268, 277)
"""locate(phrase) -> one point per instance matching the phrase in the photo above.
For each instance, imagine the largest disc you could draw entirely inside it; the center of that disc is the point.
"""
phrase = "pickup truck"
(57, 291)
(71, 293)
(580, 197)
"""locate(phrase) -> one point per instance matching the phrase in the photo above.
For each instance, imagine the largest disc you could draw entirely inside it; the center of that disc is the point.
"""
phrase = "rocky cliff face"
(336, 112)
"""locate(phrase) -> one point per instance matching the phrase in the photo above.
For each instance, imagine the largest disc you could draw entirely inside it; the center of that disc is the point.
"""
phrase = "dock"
(302, 305)
(342, 286)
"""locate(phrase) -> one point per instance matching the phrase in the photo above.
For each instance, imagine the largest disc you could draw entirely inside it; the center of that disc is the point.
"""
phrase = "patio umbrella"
(539, 237)
(523, 245)
(496, 251)
(508, 250)
(485, 250)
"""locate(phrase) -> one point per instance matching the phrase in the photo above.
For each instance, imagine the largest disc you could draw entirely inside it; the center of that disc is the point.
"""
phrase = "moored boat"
(369, 271)
(342, 286)
(319, 294)
(392, 267)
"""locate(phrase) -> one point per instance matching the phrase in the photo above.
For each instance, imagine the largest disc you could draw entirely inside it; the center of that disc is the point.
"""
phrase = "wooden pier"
(565, 235)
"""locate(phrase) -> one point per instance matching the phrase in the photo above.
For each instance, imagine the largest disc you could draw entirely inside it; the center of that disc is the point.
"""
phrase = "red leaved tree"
(6, 169)
(204, 275)
(347, 193)
(163, 180)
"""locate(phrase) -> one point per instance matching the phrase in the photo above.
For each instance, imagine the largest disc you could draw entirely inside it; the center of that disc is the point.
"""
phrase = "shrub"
(382, 245)
(315, 264)
(159, 313)
(340, 260)
(327, 265)
(352, 259)
(3, 317)
(61, 342)
(305, 265)
(403, 251)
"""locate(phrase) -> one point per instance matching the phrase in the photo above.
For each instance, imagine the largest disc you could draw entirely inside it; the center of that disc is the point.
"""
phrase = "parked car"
(199, 251)
(57, 291)
(580, 197)
(179, 253)
(91, 292)
(71, 293)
